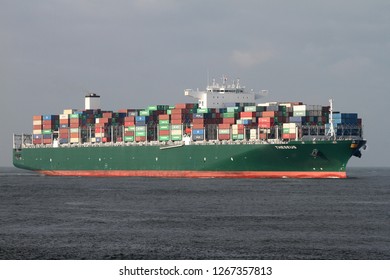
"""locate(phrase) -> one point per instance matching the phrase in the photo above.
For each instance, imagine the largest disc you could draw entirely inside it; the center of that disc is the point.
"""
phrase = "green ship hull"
(296, 159)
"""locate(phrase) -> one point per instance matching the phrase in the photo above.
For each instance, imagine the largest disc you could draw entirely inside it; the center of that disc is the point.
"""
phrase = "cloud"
(247, 59)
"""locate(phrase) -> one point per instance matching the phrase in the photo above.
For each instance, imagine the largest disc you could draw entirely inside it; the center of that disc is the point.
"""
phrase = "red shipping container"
(197, 126)
(107, 114)
(229, 120)
(64, 121)
(74, 125)
(129, 133)
(198, 121)
(223, 137)
(102, 120)
(269, 114)
(185, 105)
(99, 129)
(140, 138)
(265, 125)
(178, 111)
(177, 121)
(247, 114)
(288, 135)
(75, 121)
(37, 127)
(129, 123)
(224, 126)
(47, 141)
(129, 119)
(164, 132)
(177, 117)
(37, 118)
(262, 136)
(37, 141)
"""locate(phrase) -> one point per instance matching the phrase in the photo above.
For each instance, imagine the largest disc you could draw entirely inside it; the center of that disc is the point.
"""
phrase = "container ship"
(224, 134)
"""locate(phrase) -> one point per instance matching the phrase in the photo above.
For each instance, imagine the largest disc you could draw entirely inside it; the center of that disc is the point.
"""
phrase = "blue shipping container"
(197, 132)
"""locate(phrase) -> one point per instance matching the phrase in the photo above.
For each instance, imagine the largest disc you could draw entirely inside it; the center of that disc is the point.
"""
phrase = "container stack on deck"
(287, 121)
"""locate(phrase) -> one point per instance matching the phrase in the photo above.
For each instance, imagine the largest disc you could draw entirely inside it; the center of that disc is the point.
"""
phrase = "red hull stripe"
(196, 174)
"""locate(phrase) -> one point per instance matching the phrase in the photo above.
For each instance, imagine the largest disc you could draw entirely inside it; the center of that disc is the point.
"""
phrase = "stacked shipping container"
(165, 123)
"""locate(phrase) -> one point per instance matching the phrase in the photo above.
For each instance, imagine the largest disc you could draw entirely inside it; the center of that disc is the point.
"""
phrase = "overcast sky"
(146, 52)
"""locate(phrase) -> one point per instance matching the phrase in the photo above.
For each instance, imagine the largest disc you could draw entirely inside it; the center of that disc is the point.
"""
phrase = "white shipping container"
(37, 131)
(75, 140)
(176, 132)
(299, 108)
(289, 125)
(64, 116)
(69, 111)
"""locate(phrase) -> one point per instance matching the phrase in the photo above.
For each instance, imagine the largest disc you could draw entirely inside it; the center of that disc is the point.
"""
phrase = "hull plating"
(294, 160)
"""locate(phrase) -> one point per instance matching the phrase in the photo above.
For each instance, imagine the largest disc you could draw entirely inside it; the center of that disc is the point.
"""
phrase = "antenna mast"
(331, 131)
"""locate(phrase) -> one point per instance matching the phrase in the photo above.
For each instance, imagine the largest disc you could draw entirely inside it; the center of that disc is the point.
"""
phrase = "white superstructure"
(220, 96)
(92, 102)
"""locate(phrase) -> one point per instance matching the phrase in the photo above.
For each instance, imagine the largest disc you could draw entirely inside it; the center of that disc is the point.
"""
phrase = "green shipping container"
(140, 133)
(163, 122)
(203, 110)
(130, 128)
(164, 127)
(224, 131)
(229, 115)
(233, 109)
(144, 113)
(74, 116)
(152, 108)
(140, 128)
(47, 131)
(164, 138)
(238, 136)
(250, 109)
(129, 138)
(176, 137)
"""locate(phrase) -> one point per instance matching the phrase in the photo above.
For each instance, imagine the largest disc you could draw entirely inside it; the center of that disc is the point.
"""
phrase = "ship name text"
(286, 147)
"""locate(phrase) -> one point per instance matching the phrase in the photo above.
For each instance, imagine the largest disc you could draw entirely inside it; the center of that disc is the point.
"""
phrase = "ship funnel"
(92, 101)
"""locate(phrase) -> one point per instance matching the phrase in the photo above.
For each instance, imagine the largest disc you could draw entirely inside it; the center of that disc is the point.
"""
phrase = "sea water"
(76, 218)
